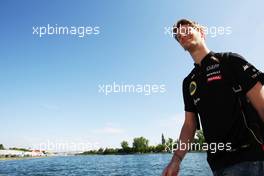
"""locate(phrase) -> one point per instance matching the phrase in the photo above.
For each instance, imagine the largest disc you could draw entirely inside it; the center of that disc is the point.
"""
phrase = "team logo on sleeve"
(192, 87)
(245, 67)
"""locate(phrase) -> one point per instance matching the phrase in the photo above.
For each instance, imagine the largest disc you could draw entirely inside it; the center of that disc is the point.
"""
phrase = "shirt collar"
(205, 59)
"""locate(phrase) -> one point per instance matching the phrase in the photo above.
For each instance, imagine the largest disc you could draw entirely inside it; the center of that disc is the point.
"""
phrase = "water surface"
(105, 165)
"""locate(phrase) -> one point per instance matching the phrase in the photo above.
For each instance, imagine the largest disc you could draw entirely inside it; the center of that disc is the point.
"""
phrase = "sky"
(50, 85)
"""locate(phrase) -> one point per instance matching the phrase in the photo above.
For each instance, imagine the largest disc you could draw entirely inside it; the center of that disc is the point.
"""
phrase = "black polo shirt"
(207, 90)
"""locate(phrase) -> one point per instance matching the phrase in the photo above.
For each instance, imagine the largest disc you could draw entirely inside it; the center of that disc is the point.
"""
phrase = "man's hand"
(172, 169)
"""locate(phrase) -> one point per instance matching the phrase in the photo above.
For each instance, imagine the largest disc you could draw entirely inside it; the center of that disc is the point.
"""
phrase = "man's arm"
(256, 97)
(186, 136)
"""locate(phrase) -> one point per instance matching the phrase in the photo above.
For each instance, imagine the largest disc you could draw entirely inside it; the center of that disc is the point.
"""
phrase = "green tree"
(151, 149)
(169, 145)
(169, 142)
(159, 148)
(110, 151)
(140, 144)
(163, 139)
(125, 147)
(2, 147)
(20, 149)
(100, 151)
(199, 139)
(200, 136)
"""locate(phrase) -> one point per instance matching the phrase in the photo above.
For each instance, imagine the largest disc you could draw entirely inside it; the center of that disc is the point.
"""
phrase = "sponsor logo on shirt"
(213, 78)
(213, 73)
(254, 76)
(212, 67)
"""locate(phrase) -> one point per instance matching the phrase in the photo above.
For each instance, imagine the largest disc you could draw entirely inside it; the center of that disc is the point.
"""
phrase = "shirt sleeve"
(188, 100)
(246, 74)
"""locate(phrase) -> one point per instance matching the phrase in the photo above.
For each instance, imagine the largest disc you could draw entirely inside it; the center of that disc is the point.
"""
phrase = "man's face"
(188, 37)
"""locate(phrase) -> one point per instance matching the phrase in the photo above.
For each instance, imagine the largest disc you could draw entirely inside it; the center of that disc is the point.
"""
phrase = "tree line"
(141, 145)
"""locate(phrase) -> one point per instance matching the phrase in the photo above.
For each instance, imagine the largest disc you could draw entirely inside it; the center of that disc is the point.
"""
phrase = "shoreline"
(135, 153)
(37, 157)
(21, 158)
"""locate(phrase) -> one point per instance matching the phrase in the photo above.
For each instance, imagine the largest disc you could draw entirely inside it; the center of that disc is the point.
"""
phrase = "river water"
(194, 164)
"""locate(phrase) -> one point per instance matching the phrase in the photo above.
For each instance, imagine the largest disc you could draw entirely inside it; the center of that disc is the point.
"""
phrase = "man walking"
(228, 95)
